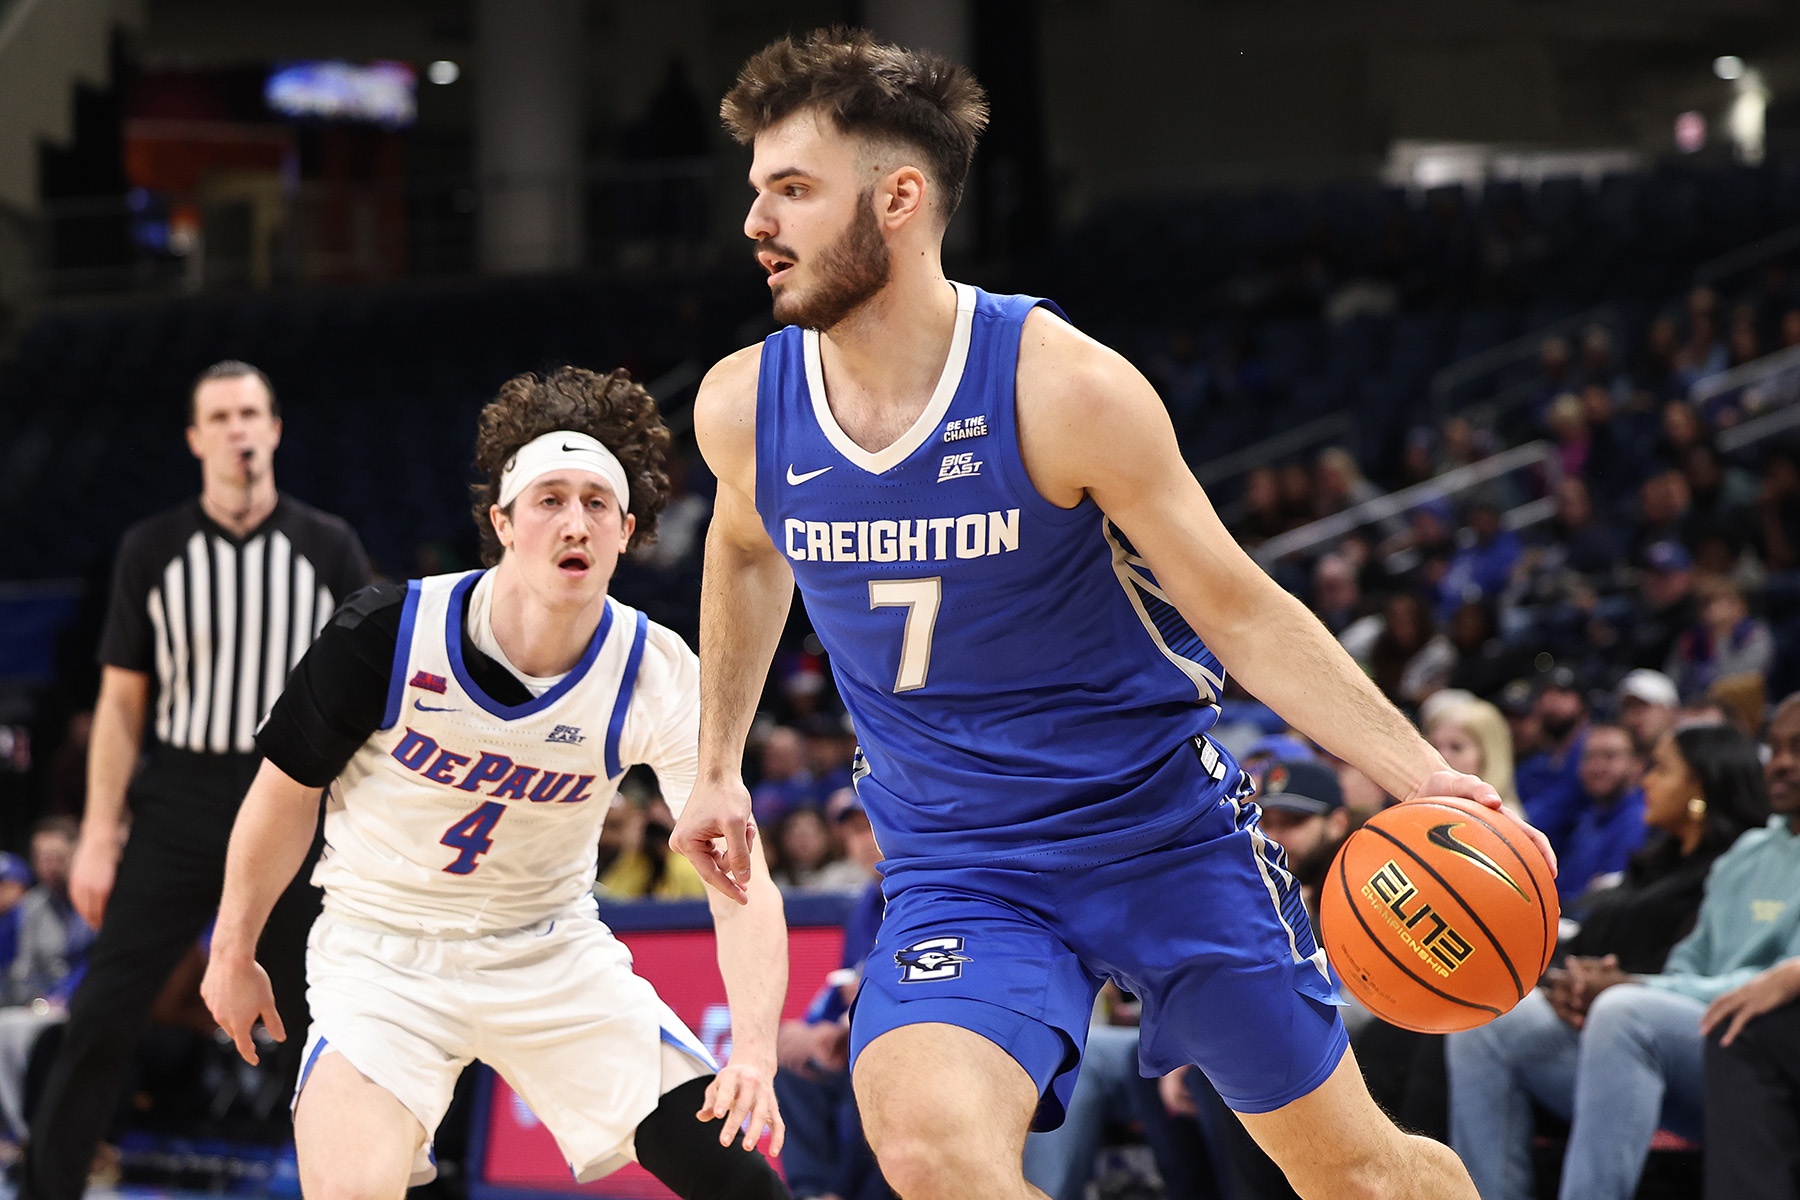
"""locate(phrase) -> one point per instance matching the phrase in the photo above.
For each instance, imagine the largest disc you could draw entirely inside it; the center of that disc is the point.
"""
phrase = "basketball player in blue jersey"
(1029, 604)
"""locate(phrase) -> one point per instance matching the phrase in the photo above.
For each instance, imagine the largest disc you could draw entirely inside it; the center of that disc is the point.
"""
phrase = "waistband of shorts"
(1221, 779)
(330, 916)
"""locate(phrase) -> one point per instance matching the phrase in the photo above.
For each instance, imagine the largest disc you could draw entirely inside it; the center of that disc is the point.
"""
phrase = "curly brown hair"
(611, 408)
(871, 89)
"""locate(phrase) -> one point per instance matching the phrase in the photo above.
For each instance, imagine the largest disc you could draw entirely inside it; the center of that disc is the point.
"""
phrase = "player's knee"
(924, 1168)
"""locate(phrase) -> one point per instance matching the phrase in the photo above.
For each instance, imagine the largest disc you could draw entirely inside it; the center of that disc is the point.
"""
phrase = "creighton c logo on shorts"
(933, 958)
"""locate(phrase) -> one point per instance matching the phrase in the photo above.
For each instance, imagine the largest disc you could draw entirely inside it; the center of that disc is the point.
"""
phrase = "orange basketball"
(1439, 914)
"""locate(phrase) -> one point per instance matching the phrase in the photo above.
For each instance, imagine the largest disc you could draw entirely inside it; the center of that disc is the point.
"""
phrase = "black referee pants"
(1752, 1149)
(165, 895)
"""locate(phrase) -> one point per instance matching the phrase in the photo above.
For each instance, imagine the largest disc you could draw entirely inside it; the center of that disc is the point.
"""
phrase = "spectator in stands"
(1724, 496)
(640, 865)
(15, 881)
(1480, 569)
(1338, 600)
(1610, 826)
(1662, 343)
(1555, 373)
(786, 783)
(1473, 738)
(1702, 354)
(805, 859)
(1743, 343)
(1410, 659)
(1303, 810)
(1576, 539)
(1619, 1052)
(830, 749)
(1566, 421)
(1726, 641)
(1297, 502)
(1682, 429)
(1665, 511)
(50, 958)
(1485, 661)
(1263, 515)
(1778, 509)
(1338, 483)
(1272, 748)
(1549, 780)
(1668, 610)
(1599, 366)
(53, 939)
(1647, 702)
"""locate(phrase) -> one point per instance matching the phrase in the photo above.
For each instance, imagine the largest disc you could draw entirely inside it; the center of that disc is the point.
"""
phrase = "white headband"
(558, 450)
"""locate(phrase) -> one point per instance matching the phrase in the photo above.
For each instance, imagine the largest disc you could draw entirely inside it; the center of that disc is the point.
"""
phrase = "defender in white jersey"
(469, 732)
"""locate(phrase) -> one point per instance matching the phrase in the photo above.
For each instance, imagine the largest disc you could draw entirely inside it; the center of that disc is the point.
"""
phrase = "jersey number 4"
(471, 836)
(921, 599)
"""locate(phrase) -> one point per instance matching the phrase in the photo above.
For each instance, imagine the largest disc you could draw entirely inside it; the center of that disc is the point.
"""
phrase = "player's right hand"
(716, 833)
(237, 992)
(91, 873)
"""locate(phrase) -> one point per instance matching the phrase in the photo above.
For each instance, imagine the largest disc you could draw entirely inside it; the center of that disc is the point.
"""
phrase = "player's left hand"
(1775, 987)
(237, 992)
(1470, 787)
(744, 1096)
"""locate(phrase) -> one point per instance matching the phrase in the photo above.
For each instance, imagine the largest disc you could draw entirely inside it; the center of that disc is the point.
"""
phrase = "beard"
(849, 272)
(1311, 868)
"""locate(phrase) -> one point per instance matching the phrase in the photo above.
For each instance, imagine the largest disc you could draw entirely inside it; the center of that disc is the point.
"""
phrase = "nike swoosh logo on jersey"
(428, 708)
(1445, 836)
(799, 479)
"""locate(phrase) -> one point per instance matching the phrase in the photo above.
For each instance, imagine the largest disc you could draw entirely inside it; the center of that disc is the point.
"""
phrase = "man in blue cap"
(1668, 605)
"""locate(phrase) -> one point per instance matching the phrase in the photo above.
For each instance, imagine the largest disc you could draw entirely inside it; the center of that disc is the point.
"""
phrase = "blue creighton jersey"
(1020, 687)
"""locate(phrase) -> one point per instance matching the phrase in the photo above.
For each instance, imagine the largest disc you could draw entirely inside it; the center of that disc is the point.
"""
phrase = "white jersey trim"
(890, 456)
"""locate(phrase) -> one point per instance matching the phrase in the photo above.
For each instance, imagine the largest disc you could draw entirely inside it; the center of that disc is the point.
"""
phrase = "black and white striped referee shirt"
(218, 621)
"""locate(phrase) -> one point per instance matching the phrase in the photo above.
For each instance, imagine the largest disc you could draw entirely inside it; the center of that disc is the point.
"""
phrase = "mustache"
(776, 248)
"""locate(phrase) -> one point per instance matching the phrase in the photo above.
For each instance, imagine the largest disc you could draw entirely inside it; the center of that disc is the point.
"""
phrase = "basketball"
(1439, 914)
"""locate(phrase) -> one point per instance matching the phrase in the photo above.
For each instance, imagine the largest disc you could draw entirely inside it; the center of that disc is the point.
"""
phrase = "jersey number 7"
(921, 599)
(470, 835)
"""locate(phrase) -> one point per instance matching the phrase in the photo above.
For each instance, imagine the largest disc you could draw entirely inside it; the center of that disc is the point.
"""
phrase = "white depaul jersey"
(462, 816)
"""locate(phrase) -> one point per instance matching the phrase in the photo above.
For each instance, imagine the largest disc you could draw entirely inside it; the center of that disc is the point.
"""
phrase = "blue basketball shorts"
(1208, 931)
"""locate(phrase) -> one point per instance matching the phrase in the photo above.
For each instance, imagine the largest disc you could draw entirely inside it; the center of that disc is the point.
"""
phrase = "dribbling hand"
(1470, 787)
(718, 813)
(237, 992)
(745, 1098)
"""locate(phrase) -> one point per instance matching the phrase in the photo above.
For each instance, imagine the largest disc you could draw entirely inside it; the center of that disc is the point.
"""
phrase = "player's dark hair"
(620, 414)
(1725, 761)
(230, 368)
(869, 89)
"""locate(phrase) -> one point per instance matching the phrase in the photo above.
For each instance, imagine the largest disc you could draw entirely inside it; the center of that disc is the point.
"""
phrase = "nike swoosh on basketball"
(799, 479)
(1444, 836)
(422, 707)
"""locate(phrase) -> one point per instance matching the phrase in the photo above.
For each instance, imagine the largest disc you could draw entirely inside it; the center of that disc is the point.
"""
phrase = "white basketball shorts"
(553, 1008)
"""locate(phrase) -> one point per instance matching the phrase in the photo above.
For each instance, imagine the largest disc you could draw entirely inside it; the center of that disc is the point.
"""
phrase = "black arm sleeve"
(337, 695)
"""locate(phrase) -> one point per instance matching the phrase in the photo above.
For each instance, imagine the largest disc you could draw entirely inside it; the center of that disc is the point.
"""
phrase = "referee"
(213, 603)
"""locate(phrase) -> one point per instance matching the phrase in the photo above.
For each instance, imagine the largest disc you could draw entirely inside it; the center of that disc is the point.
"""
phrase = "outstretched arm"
(269, 841)
(1094, 425)
(745, 592)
